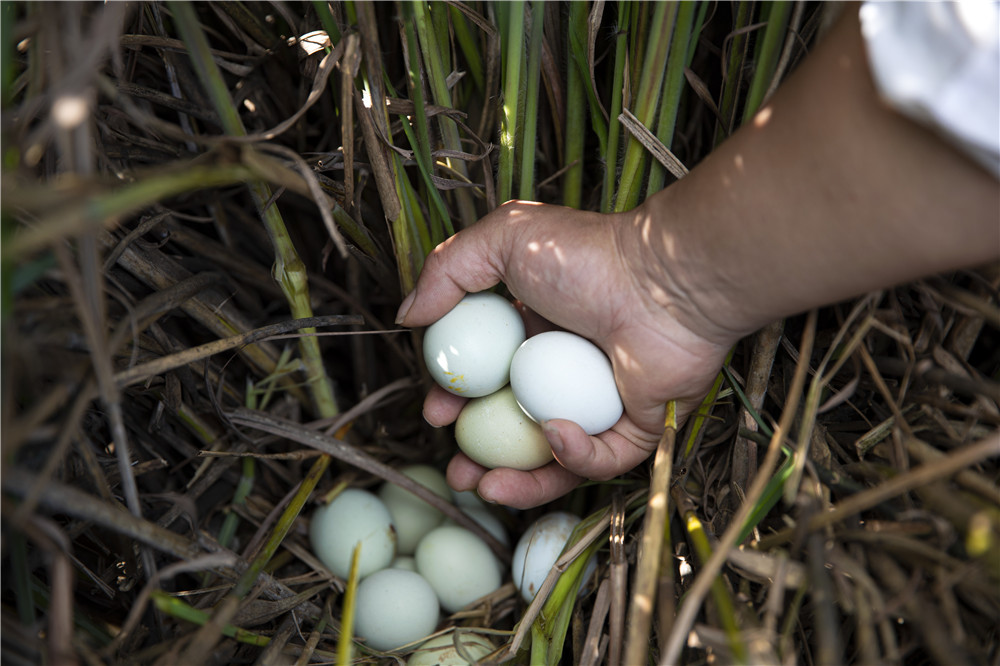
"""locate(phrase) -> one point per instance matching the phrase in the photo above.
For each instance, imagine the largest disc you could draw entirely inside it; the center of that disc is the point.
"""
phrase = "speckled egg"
(468, 351)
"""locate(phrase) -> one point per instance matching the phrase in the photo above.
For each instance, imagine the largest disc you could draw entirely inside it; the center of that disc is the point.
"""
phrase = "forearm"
(826, 194)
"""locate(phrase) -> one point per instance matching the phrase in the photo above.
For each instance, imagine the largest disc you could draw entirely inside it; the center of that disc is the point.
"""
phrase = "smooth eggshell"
(468, 351)
(394, 607)
(559, 375)
(354, 516)
(412, 516)
(441, 650)
(495, 432)
(538, 549)
(458, 565)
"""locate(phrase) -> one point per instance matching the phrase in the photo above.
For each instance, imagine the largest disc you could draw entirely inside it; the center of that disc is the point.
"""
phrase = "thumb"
(468, 262)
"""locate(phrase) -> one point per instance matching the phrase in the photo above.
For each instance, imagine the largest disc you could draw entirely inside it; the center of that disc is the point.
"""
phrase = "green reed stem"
(530, 126)
(768, 53)
(289, 271)
(575, 115)
(440, 220)
(614, 127)
(181, 610)
(647, 98)
(514, 45)
(434, 47)
(720, 593)
(673, 89)
(734, 71)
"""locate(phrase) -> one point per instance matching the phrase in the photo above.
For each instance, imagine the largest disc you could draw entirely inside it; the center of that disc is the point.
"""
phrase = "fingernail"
(428, 421)
(555, 439)
(405, 306)
(485, 499)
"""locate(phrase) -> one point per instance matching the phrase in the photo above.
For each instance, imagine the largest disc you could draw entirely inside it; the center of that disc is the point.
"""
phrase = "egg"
(394, 607)
(354, 516)
(468, 351)
(538, 549)
(559, 375)
(458, 565)
(404, 562)
(412, 516)
(486, 520)
(442, 650)
(495, 432)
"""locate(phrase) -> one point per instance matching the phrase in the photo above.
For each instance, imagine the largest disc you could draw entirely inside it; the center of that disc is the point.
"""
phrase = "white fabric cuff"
(939, 63)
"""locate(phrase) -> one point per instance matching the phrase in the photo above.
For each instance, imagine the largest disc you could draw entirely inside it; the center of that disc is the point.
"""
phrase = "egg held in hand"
(495, 432)
(559, 375)
(354, 516)
(468, 351)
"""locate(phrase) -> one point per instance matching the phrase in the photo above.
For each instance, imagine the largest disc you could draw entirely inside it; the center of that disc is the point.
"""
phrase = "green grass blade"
(281, 528)
(548, 633)
(647, 97)
(434, 47)
(614, 127)
(575, 99)
(768, 52)
(526, 188)
(673, 88)
(513, 55)
(322, 10)
(421, 143)
(470, 49)
(345, 643)
(176, 608)
(720, 593)
(289, 271)
(734, 70)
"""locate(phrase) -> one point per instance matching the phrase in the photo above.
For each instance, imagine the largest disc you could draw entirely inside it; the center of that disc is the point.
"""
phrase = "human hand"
(590, 274)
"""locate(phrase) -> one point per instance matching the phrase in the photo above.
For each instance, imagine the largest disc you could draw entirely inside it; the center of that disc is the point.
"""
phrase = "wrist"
(675, 274)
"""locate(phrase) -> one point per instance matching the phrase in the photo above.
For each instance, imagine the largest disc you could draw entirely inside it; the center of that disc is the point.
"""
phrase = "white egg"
(354, 516)
(468, 351)
(394, 607)
(404, 562)
(495, 432)
(486, 520)
(538, 549)
(412, 516)
(442, 650)
(559, 375)
(458, 565)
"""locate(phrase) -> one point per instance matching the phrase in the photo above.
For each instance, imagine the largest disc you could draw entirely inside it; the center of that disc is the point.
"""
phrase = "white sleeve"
(939, 63)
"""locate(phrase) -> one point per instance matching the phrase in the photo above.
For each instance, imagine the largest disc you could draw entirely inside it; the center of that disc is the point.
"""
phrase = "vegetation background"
(183, 183)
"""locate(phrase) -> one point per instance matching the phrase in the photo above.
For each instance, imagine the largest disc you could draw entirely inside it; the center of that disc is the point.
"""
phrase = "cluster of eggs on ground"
(479, 351)
(412, 561)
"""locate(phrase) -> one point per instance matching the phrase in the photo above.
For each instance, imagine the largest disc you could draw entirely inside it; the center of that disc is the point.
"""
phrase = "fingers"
(599, 457)
(468, 262)
(578, 456)
(511, 487)
(441, 408)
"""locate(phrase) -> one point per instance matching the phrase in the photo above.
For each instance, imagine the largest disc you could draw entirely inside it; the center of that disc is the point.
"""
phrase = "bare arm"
(825, 195)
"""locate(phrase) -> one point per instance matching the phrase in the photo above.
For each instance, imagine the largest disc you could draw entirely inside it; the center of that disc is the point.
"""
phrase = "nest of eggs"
(165, 444)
